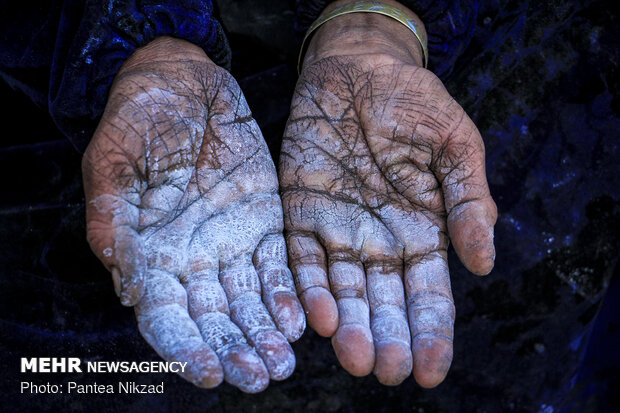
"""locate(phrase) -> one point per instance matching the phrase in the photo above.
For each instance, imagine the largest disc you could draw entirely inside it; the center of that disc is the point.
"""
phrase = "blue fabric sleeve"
(449, 23)
(64, 54)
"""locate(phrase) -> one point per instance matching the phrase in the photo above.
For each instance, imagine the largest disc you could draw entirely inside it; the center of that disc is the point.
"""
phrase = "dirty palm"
(379, 164)
(183, 209)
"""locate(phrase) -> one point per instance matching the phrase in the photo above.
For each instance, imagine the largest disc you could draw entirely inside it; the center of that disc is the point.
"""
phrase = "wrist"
(365, 33)
(164, 50)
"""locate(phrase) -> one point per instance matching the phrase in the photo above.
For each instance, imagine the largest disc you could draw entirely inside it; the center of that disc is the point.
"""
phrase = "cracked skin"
(380, 169)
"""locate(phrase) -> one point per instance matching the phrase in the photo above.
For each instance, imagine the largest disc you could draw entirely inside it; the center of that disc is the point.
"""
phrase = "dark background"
(540, 79)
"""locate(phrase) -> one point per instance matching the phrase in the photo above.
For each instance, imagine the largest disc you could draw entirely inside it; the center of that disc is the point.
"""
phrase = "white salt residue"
(276, 353)
(271, 250)
(123, 213)
(168, 329)
(377, 242)
(347, 278)
(413, 230)
(161, 200)
(429, 275)
(426, 320)
(244, 368)
(249, 313)
(243, 228)
(219, 331)
(425, 237)
(205, 295)
(270, 259)
(387, 303)
(161, 289)
(353, 311)
(429, 297)
(234, 230)
(166, 251)
(389, 324)
(435, 318)
(238, 282)
(384, 289)
(309, 276)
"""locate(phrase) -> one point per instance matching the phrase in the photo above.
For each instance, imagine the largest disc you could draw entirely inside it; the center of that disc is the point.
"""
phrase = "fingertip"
(206, 370)
(474, 246)
(211, 374)
(354, 349)
(393, 362)
(482, 266)
(244, 369)
(202, 367)
(321, 310)
(431, 360)
(276, 353)
(289, 315)
(210, 379)
(471, 231)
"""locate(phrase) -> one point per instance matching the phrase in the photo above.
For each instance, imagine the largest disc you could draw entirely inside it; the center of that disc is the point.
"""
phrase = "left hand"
(379, 164)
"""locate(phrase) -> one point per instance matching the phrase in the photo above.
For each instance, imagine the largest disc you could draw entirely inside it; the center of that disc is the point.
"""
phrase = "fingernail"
(125, 296)
(116, 280)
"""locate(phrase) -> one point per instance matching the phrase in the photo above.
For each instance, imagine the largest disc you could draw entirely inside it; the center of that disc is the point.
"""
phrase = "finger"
(471, 210)
(353, 339)
(278, 287)
(208, 305)
(112, 219)
(165, 324)
(388, 320)
(247, 311)
(308, 264)
(431, 316)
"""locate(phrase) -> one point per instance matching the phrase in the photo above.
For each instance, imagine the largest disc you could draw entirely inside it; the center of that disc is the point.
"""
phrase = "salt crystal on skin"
(203, 204)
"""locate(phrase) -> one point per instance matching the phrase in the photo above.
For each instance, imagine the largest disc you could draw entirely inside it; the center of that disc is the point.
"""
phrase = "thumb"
(112, 218)
(471, 210)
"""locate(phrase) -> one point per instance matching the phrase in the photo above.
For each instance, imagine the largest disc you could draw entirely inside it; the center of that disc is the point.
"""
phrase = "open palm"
(182, 207)
(379, 164)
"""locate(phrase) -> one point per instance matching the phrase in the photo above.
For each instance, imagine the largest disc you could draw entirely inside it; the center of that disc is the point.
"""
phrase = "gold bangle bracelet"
(368, 7)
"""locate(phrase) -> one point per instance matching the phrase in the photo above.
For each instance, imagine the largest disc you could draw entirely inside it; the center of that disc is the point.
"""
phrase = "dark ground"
(540, 79)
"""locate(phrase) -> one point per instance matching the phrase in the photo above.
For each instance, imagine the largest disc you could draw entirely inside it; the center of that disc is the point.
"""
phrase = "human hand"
(183, 209)
(378, 165)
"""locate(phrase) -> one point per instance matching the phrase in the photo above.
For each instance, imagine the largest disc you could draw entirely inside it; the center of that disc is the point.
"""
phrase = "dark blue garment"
(64, 54)
(539, 79)
(449, 23)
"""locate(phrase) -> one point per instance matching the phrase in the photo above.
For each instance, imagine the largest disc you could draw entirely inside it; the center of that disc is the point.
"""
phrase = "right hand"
(183, 209)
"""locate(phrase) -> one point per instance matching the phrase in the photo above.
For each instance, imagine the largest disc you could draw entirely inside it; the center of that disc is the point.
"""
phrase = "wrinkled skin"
(183, 209)
(379, 168)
